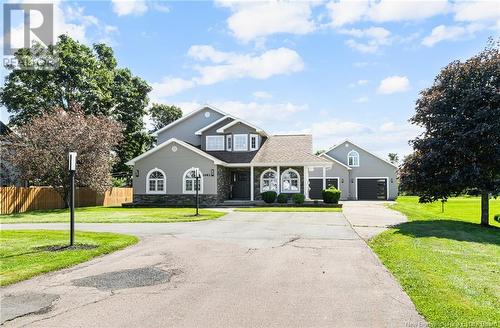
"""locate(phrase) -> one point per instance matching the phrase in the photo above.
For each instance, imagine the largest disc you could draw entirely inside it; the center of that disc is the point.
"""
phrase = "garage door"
(372, 189)
(316, 187)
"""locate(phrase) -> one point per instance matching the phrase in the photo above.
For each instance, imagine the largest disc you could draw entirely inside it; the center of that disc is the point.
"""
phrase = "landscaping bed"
(27, 253)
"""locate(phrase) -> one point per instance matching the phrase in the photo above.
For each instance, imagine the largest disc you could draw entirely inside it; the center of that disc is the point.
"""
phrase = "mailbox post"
(197, 187)
(72, 171)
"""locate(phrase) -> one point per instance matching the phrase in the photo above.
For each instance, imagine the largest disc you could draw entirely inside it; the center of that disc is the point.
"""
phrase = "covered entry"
(316, 186)
(371, 188)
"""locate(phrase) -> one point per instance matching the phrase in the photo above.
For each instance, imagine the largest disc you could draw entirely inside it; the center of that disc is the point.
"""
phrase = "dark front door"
(372, 189)
(316, 187)
(240, 182)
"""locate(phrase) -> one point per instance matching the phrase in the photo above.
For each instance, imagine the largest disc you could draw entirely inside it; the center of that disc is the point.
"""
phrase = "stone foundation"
(174, 200)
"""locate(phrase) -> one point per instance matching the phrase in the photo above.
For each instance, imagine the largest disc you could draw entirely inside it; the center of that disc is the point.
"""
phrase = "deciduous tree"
(39, 150)
(460, 148)
(162, 115)
(83, 75)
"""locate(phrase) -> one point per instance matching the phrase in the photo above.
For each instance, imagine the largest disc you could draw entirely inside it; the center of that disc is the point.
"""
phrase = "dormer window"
(240, 142)
(254, 142)
(229, 142)
(215, 143)
(353, 158)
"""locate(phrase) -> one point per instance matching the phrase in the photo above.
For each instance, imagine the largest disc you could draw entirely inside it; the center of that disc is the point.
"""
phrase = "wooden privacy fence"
(20, 199)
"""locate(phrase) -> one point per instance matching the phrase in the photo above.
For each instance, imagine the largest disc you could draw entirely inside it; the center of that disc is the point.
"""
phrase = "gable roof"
(180, 142)
(168, 126)
(236, 121)
(334, 160)
(349, 141)
(223, 118)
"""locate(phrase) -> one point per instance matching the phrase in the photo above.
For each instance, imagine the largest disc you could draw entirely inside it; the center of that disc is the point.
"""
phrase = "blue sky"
(334, 69)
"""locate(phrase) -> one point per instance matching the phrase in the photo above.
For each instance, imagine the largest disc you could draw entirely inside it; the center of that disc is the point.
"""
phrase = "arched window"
(269, 181)
(290, 181)
(189, 181)
(156, 182)
(353, 158)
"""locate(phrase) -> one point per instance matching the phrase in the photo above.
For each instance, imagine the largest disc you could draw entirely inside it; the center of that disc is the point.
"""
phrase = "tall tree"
(393, 158)
(163, 115)
(82, 75)
(460, 148)
(39, 150)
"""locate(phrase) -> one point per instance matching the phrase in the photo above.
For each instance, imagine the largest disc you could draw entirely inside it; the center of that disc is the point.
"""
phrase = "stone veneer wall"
(258, 171)
(174, 200)
(223, 183)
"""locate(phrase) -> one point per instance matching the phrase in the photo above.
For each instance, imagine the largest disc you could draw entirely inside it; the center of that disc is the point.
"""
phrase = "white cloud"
(374, 38)
(129, 7)
(262, 95)
(227, 65)
(361, 100)
(451, 33)
(348, 12)
(255, 112)
(358, 83)
(253, 20)
(477, 11)
(169, 86)
(393, 84)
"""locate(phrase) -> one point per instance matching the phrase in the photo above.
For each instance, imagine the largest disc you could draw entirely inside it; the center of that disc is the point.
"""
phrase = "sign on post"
(72, 170)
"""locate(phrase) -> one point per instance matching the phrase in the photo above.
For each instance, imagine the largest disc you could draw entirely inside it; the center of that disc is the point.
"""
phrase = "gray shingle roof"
(288, 149)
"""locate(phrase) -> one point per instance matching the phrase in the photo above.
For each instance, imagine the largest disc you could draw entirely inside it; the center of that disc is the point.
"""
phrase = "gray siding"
(174, 164)
(369, 166)
(238, 128)
(185, 130)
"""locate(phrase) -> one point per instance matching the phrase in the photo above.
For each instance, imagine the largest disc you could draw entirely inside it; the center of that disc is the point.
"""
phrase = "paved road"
(243, 270)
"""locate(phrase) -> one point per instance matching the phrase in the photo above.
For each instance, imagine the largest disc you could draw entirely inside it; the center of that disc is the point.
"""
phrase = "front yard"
(25, 254)
(112, 215)
(447, 263)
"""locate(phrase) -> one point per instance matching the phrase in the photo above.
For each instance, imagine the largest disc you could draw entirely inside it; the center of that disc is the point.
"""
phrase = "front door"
(240, 182)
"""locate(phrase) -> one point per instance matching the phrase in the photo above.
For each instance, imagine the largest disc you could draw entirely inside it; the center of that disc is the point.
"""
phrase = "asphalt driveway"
(243, 270)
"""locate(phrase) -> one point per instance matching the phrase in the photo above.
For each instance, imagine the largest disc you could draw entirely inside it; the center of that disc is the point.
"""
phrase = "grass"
(289, 209)
(447, 263)
(101, 214)
(23, 254)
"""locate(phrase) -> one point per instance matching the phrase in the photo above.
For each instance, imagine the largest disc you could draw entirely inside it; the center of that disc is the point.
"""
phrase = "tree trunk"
(485, 197)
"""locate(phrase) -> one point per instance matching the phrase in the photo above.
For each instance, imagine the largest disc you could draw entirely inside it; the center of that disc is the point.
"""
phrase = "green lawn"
(22, 253)
(112, 214)
(289, 209)
(447, 263)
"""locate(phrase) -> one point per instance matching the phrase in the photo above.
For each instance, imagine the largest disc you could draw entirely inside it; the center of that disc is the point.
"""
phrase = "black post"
(72, 208)
(197, 186)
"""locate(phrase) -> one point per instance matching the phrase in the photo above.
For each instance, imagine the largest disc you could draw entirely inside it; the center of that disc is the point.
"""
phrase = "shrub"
(269, 196)
(282, 198)
(497, 217)
(331, 195)
(298, 198)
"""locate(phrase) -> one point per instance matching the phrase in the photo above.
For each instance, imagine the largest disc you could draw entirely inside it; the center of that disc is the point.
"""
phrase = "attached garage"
(316, 186)
(371, 188)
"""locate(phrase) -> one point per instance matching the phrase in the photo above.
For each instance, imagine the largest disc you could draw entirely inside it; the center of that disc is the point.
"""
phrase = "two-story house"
(237, 161)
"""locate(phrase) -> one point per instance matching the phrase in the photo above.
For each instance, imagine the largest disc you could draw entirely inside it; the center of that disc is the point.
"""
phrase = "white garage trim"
(366, 178)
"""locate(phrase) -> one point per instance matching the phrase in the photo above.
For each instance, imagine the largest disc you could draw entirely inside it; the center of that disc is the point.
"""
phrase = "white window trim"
(184, 191)
(234, 142)
(214, 138)
(228, 138)
(256, 136)
(155, 192)
(276, 177)
(283, 180)
(353, 152)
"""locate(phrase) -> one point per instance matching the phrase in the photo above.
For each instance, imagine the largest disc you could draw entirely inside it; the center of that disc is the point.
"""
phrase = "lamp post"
(72, 170)
(197, 188)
